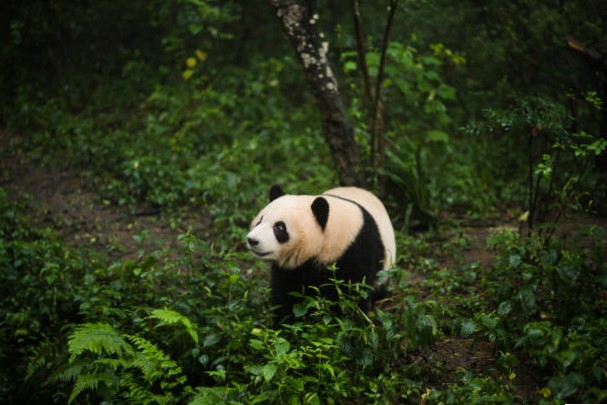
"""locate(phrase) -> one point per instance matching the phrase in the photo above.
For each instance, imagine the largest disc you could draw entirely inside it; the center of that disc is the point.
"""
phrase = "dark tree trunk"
(299, 23)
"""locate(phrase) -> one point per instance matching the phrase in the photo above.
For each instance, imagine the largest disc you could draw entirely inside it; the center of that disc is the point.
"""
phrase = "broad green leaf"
(300, 310)
(268, 372)
(565, 386)
(350, 66)
(211, 339)
(515, 260)
(446, 92)
(504, 308)
(468, 327)
(438, 136)
(256, 344)
(527, 297)
(282, 346)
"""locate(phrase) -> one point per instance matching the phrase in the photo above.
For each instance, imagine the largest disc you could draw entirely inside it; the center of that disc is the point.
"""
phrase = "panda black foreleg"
(351, 268)
(286, 281)
(282, 284)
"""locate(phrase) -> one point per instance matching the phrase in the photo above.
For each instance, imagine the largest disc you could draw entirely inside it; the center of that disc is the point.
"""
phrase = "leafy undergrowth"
(194, 327)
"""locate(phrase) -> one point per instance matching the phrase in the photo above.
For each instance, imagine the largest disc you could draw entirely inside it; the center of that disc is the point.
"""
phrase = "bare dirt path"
(71, 203)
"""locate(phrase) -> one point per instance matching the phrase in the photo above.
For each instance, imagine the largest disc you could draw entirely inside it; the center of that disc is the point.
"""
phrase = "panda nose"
(252, 241)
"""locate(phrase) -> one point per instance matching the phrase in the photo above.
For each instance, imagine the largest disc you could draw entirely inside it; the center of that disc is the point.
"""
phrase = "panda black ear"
(275, 192)
(320, 208)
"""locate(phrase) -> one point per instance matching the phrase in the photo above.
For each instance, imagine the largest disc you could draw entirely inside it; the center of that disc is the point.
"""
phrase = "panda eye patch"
(280, 231)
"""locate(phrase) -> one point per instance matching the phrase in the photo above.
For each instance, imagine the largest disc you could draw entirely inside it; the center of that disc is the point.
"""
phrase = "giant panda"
(301, 235)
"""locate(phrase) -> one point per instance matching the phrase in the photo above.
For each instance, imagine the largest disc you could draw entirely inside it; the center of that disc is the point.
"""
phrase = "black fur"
(361, 261)
(320, 208)
(280, 232)
(276, 192)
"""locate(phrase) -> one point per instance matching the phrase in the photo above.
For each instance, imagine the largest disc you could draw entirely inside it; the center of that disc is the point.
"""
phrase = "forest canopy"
(454, 113)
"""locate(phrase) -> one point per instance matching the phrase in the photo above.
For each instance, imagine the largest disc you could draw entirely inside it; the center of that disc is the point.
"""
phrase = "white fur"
(377, 210)
(306, 238)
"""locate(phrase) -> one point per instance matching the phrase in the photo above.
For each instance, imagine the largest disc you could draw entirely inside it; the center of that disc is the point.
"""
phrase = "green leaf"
(468, 327)
(212, 395)
(504, 309)
(372, 59)
(265, 397)
(515, 260)
(566, 358)
(550, 258)
(565, 386)
(438, 136)
(282, 346)
(203, 359)
(350, 66)
(431, 60)
(527, 297)
(300, 310)
(569, 272)
(187, 74)
(256, 344)
(268, 372)
(254, 369)
(446, 92)
(170, 317)
(598, 146)
(211, 339)
(488, 322)
(403, 86)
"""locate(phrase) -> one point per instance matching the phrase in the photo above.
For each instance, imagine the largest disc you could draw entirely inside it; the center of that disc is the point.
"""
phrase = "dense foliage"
(201, 105)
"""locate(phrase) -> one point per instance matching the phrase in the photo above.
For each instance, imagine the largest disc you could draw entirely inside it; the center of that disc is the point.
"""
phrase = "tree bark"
(299, 23)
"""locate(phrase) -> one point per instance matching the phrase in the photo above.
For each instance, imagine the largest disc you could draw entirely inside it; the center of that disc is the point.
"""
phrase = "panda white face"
(265, 239)
(285, 232)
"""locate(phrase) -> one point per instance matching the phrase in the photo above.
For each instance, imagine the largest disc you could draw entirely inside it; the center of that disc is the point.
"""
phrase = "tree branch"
(590, 53)
(362, 51)
(378, 144)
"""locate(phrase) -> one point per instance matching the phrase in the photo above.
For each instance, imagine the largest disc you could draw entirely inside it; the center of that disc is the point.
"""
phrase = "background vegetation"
(489, 116)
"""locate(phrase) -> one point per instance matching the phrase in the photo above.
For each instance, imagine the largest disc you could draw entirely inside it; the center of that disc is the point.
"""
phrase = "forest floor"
(69, 202)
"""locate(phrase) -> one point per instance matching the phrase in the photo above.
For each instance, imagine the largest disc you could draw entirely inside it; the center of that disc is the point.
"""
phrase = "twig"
(559, 213)
(530, 180)
(591, 53)
(361, 51)
(377, 124)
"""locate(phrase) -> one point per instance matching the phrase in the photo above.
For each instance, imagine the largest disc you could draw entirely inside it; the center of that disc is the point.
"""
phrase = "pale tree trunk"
(300, 24)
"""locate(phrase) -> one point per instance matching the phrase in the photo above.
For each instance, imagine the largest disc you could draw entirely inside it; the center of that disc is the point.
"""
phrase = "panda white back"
(377, 211)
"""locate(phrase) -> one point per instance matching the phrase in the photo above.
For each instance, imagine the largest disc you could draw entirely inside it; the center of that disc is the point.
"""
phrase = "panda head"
(289, 230)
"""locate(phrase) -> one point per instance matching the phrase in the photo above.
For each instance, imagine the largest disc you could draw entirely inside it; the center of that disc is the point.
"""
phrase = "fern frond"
(114, 364)
(97, 338)
(90, 382)
(169, 317)
(154, 363)
(67, 375)
(137, 393)
(134, 391)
